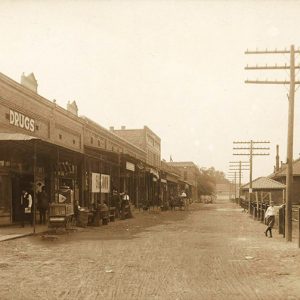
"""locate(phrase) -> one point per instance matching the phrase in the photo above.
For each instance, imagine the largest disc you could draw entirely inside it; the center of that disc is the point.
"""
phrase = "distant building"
(145, 139)
(223, 188)
(189, 173)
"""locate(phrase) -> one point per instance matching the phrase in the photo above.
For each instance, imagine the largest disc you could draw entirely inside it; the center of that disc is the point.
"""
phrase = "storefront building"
(189, 176)
(169, 182)
(43, 144)
(150, 143)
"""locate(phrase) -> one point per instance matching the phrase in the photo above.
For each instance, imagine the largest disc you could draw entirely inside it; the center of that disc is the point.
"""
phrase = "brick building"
(145, 139)
(189, 174)
(43, 143)
(149, 142)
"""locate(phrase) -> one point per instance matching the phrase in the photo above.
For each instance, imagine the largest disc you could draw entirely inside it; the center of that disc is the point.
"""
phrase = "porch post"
(34, 185)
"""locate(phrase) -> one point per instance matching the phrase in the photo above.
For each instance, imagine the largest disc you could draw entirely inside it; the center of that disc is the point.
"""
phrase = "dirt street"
(212, 251)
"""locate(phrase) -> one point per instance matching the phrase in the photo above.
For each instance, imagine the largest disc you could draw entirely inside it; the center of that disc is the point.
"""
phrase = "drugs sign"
(19, 120)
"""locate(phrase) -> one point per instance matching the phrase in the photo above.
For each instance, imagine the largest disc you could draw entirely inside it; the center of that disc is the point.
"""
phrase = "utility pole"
(250, 147)
(290, 136)
(231, 183)
(239, 166)
(233, 176)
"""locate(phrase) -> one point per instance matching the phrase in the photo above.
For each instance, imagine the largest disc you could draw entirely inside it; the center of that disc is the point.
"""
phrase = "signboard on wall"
(95, 182)
(130, 166)
(19, 120)
(100, 183)
(105, 183)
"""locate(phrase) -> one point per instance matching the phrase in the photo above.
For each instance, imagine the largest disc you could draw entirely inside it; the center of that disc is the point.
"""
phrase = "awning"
(171, 178)
(154, 172)
(16, 137)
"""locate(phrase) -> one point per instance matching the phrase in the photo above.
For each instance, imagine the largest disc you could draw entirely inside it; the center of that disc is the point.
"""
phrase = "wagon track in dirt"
(212, 251)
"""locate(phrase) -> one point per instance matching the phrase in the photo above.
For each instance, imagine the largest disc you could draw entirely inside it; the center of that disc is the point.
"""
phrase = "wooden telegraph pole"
(250, 147)
(231, 183)
(290, 136)
(239, 166)
(232, 175)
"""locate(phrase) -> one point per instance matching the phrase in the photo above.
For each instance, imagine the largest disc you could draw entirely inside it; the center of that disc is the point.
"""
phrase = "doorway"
(20, 182)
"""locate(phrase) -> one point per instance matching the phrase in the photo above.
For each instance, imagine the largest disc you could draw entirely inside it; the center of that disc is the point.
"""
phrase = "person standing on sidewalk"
(26, 205)
(270, 218)
(43, 204)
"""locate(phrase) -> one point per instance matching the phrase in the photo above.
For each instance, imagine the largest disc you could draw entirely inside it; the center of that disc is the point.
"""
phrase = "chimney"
(277, 157)
(29, 82)
(72, 108)
(123, 127)
(111, 128)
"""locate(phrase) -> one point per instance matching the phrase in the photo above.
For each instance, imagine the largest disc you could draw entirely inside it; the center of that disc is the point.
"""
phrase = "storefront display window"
(5, 196)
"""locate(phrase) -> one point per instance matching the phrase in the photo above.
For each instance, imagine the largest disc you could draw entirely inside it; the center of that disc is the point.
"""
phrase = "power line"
(251, 153)
(291, 97)
(240, 164)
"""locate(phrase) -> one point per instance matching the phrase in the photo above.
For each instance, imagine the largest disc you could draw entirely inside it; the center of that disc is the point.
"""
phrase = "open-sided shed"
(265, 189)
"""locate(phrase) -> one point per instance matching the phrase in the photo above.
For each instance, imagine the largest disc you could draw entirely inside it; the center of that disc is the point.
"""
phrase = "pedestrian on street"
(43, 204)
(270, 218)
(184, 199)
(125, 206)
(116, 202)
(26, 206)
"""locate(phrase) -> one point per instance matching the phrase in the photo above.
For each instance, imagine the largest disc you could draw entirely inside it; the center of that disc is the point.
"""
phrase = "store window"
(5, 194)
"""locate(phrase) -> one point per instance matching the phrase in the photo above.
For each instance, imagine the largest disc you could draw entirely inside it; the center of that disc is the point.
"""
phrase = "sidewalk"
(11, 232)
(15, 231)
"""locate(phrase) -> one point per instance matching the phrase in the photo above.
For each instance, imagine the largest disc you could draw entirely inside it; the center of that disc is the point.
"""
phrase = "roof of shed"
(263, 183)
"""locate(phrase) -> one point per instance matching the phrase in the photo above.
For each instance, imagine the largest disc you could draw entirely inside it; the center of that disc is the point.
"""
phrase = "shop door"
(20, 182)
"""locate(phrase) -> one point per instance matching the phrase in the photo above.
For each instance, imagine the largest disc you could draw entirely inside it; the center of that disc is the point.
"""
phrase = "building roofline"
(139, 129)
(22, 89)
(111, 134)
(81, 119)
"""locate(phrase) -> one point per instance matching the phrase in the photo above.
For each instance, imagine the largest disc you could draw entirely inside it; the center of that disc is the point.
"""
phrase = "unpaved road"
(209, 252)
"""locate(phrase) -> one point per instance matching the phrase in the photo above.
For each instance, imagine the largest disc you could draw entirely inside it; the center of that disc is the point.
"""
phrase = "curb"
(14, 236)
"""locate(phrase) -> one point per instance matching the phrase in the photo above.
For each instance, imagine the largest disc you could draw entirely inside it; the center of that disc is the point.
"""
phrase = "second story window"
(185, 175)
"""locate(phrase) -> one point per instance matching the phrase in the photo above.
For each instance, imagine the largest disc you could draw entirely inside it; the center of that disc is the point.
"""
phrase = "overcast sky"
(175, 66)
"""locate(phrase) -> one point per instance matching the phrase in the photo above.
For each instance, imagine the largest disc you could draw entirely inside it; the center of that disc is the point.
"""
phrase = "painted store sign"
(21, 121)
(100, 183)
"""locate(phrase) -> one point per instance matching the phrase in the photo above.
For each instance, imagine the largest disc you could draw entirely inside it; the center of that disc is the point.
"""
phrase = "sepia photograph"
(149, 150)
